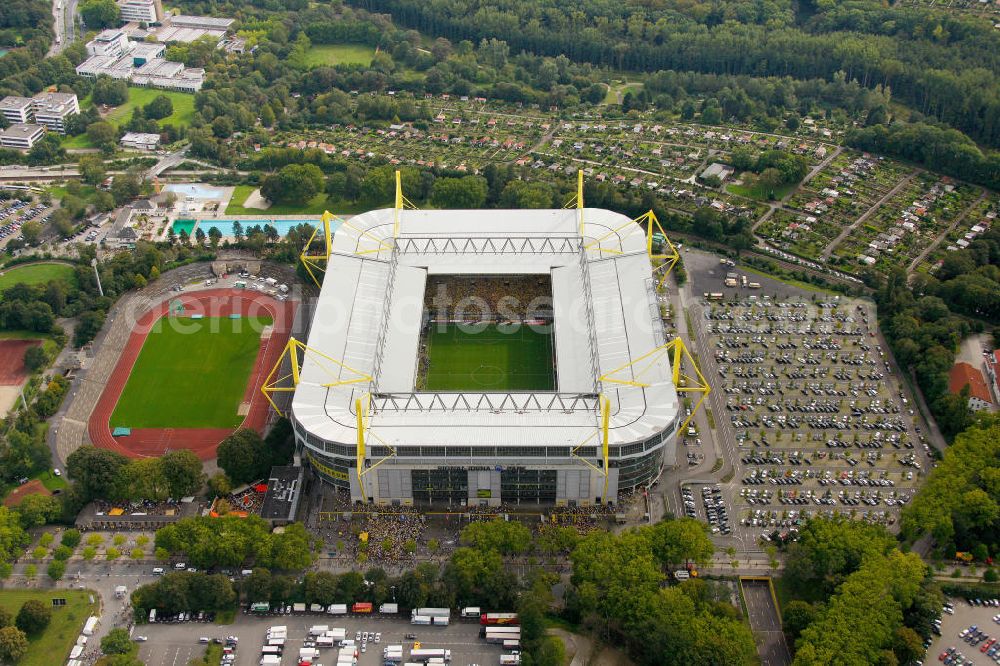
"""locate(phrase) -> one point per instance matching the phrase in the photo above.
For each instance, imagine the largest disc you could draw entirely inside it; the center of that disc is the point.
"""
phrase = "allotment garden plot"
(820, 423)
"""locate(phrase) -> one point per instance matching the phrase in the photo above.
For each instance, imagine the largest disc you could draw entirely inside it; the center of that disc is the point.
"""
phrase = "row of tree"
(108, 475)
(232, 541)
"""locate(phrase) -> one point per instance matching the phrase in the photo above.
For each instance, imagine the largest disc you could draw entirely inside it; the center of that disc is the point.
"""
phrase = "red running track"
(151, 442)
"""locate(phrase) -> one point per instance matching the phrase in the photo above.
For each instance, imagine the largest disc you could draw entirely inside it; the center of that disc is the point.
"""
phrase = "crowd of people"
(488, 298)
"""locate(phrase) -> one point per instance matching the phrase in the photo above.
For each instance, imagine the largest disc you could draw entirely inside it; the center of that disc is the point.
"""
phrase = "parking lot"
(175, 644)
(952, 625)
(14, 213)
(804, 403)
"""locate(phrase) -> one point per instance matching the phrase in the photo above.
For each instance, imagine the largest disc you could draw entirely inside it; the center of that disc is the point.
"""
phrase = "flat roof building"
(52, 109)
(140, 141)
(142, 11)
(16, 109)
(140, 63)
(281, 501)
(109, 42)
(21, 136)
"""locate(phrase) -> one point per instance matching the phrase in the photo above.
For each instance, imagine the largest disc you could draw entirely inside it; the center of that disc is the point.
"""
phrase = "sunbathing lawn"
(54, 644)
(316, 205)
(339, 54)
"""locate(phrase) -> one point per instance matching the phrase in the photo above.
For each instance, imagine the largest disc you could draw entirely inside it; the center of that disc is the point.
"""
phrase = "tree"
(796, 616)
(70, 538)
(125, 187)
(219, 485)
(117, 641)
(521, 194)
(243, 456)
(13, 644)
(214, 236)
(294, 184)
(33, 617)
(160, 107)
(257, 586)
(37, 510)
(6, 618)
(321, 588)
(828, 550)
(182, 470)
(466, 192)
(95, 470)
(103, 135)
(56, 570)
(31, 231)
(100, 13)
(505, 537)
(682, 540)
(35, 358)
(92, 169)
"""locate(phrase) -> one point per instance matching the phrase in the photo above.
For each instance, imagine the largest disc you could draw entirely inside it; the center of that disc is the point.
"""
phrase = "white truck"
(317, 608)
(270, 660)
(388, 609)
(308, 654)
(318, 629)
(90, 626)
(439, 621)
(510, 659)
(420, 619)
(471, 612)
(338, 634)
(324, 641)
(337, 609)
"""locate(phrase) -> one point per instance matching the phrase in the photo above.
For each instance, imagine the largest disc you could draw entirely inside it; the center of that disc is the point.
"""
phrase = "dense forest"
(941, 65)
(26, 23)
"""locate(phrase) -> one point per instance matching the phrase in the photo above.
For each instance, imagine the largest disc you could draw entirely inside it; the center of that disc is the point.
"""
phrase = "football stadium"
(473, 357)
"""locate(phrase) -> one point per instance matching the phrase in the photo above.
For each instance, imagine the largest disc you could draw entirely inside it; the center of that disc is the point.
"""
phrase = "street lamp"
(100, 289)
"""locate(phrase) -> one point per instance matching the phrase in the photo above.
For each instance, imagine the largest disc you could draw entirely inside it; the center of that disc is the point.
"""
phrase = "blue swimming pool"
(225, 227)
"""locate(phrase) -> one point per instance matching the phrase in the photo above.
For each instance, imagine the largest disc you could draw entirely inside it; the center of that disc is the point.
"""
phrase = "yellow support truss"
(317, 262)
(276, 383)
(401, 203)
(652, 226)
(678, 355)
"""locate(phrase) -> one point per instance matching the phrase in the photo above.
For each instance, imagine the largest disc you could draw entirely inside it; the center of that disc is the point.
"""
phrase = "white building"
(21, 136)
(52, 109)
(141, 63)
(16, 109)
(140, 141)
(112, 43)
(600, 430)
(141, 11)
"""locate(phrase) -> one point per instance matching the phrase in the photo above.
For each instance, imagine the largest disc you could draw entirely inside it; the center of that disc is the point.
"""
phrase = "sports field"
(37, 273)
(492, 357)
(191, 373)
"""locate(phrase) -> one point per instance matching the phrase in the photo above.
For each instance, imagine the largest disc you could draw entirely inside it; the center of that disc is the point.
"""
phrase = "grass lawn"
(339, 54)
(615, 89)
(780, 192)
(488, 358)
(191, 373)
(181, 117)
(54, 644)
(79, 141)
(39, 273)
(316, 205)
(51, 481)
(87, 192)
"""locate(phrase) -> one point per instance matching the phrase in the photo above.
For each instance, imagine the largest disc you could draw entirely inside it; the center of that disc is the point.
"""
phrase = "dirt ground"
(580, 651)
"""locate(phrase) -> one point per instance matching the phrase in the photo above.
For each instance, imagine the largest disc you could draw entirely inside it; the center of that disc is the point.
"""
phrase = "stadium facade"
(609, 426)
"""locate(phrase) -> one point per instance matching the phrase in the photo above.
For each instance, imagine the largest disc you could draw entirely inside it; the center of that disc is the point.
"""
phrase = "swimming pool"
(195, 191)
(283, 226)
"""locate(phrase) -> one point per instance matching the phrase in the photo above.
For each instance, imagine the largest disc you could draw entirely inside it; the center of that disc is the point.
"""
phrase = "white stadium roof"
(369, 314)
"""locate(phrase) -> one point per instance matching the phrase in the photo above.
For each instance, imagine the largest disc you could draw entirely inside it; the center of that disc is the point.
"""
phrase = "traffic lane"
(765, 624)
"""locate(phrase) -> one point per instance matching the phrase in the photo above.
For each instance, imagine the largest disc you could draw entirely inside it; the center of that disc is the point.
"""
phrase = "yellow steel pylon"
(274, 383)
(604, 433)
(576, 201)
(312, 261)
(677, 353)
(362, 409)
(401, 203)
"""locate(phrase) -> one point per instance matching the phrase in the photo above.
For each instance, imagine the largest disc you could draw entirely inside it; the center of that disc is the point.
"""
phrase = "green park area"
(314, 206)
(53, 644)
(39, 273)
(191, 373)
(339, 54)
(183, 106)
(759, 193)
(490, 357)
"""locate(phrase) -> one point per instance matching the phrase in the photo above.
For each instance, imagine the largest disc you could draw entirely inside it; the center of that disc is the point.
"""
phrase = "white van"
(180, 566)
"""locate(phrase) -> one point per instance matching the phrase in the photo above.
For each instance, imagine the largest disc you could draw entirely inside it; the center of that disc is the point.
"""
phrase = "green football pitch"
(489, 358)
(191, 373)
